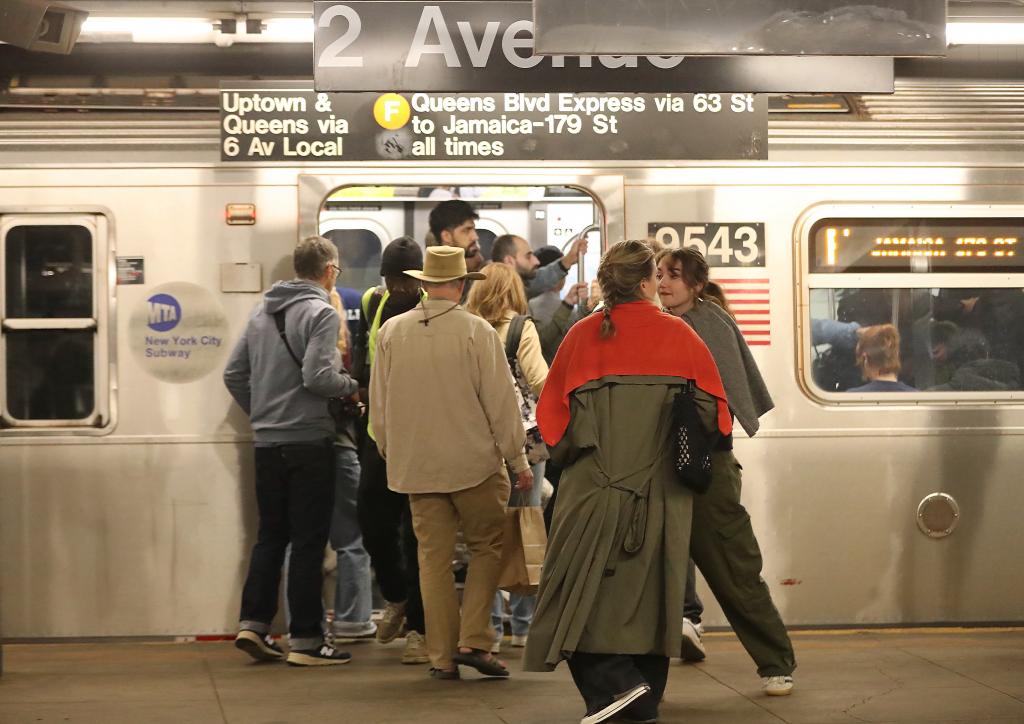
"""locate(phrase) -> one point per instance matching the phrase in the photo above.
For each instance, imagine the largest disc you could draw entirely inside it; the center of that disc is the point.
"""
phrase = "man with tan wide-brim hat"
(444, 411)
(444, 264)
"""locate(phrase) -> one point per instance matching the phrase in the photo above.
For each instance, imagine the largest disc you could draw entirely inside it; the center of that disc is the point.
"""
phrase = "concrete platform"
(910, 677)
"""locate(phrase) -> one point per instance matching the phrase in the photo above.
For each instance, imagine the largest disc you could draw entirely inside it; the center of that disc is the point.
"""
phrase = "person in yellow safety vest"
(383, 514)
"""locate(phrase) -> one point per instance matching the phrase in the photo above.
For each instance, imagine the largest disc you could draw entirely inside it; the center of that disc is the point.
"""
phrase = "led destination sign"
(915, 245)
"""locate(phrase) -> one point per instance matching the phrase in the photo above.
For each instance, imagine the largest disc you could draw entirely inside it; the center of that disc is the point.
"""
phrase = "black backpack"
(691, 445)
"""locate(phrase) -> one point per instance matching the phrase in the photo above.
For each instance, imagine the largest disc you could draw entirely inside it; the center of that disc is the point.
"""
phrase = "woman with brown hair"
(501, 300)
(878, 357)
(610, 599)
(722, 542)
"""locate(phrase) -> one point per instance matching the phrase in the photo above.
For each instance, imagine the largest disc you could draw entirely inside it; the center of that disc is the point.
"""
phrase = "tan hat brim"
(418, 274)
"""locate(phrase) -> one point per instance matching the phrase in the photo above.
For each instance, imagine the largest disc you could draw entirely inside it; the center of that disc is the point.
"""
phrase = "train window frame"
(605, 190)
(100, 420)
(836, 280)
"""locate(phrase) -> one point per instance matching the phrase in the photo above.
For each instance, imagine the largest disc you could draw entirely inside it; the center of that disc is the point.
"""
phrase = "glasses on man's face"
(337, 269)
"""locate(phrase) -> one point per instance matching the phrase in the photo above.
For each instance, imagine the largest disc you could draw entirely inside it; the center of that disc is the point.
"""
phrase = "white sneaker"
(496, 646)
(518, 642)
(620, 703)
(390, 624)
(415, 649)
(693, 648)
(777, 685)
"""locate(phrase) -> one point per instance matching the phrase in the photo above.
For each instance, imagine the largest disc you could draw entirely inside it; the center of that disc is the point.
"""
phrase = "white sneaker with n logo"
(323, 656)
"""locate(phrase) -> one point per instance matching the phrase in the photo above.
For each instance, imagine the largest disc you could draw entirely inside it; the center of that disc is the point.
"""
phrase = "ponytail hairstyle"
(624, 266)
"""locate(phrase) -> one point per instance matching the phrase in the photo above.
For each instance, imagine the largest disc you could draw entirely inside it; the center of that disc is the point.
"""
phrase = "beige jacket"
(530, 356)
(442, 403)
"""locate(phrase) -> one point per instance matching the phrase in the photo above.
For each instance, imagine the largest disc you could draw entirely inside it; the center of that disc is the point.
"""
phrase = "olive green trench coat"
(617, 554)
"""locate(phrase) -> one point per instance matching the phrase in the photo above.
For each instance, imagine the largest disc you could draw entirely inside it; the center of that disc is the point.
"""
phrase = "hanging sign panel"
(262, 121)
(741, 27)
(474, 47)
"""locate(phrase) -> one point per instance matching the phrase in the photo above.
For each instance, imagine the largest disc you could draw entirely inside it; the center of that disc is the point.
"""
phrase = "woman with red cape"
(610, 598)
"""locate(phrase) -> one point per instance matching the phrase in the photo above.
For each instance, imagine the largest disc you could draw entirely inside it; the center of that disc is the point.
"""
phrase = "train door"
(361, 214)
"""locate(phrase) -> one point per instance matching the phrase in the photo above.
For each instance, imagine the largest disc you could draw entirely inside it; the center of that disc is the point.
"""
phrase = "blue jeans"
(353, 597)
(521, 607)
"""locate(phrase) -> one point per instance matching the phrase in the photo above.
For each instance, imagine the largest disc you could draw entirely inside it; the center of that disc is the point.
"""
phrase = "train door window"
(362, 220)
(53, 362)
(923, 308)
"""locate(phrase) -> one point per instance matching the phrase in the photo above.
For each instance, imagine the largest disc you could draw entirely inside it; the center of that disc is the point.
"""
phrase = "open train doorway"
(362, 219)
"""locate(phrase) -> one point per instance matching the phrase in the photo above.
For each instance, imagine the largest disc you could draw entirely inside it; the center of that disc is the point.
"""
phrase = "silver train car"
(126, 505)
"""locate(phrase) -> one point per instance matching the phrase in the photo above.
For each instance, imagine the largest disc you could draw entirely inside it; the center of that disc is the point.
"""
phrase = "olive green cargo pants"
(723, 546)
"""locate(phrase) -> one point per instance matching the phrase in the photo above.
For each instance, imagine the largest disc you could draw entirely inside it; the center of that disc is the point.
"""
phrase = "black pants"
(600, 678)
(386, 524)
(295, 497)
(553, 472)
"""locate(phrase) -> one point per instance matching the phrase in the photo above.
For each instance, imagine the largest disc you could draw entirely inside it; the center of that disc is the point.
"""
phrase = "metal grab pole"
(580, 270)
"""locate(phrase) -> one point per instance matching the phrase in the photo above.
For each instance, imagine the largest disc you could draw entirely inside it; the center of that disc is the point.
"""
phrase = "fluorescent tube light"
(148, 30)
(985, 33)
(300, 30)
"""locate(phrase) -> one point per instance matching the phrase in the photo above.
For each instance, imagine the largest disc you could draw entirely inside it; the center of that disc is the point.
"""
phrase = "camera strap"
(279, 321)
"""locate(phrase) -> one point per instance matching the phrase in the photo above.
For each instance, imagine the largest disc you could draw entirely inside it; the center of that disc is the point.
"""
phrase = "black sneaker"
(323, 656)
(259, 646)
(618, 704)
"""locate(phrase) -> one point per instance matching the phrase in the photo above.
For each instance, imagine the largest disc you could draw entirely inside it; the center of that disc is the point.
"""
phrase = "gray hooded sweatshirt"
(286, 404)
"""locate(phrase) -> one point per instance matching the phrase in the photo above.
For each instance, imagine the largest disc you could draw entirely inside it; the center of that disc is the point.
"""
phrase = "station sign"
(487, 46)
(284, 121)
(735, 27)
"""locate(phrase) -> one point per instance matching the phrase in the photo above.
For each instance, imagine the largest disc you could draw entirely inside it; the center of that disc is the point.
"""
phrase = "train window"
(359, 253)
(49, 271)
(917, 340)
(50, 374)
(52, 362)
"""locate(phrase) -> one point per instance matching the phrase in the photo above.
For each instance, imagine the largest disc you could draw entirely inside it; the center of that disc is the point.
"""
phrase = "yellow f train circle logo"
(391, 111)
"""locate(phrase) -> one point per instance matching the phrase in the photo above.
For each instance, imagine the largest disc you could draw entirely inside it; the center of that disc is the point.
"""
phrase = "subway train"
(133, 257)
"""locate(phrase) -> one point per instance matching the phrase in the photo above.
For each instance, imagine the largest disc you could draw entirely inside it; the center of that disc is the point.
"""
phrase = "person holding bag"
(501, 300)
(722, 541)
(610, 598)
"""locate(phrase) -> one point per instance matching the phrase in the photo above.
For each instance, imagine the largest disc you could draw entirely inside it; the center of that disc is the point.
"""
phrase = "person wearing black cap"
(384, 517)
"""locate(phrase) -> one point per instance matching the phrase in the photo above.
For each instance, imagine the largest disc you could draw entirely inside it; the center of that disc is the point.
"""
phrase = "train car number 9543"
(723, 245)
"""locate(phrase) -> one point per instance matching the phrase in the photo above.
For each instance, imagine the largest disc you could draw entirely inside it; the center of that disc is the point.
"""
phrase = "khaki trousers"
(436, 517)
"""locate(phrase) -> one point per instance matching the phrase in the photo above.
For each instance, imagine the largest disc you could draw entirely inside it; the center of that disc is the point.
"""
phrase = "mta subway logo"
(164, 313)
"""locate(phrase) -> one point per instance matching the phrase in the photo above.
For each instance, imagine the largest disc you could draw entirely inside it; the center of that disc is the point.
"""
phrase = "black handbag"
(691, 445)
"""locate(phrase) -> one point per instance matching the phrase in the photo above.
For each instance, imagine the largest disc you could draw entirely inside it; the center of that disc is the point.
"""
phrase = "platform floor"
(911, 677)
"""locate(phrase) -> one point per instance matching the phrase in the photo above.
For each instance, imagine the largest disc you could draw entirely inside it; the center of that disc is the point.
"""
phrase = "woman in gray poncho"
(610, 598)
(722, 541)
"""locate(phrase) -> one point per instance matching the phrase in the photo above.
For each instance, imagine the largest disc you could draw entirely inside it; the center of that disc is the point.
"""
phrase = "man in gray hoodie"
(282, 372)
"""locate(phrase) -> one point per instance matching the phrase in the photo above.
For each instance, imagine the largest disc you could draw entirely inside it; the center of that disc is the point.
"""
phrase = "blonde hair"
(624, 266)
(879, 349)
(339, 307)
(502, 291)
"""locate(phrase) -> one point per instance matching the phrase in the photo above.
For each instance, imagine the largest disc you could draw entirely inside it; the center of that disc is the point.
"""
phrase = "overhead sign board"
(263, 121)
(484, 47)
(742, 27)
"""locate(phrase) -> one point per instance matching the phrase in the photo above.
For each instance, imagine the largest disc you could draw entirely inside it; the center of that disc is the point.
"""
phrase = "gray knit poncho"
(744, 387)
